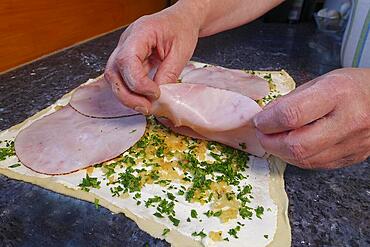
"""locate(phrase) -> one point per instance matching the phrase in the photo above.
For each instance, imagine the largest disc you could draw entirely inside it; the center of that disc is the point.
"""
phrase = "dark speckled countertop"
(327, 208)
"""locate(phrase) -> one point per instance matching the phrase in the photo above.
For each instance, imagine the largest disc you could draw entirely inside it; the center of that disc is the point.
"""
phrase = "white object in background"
(334, 4)
(329, 13)
(356, 41)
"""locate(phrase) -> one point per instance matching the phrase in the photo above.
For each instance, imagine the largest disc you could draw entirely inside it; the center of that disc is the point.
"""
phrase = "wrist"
(194, 11)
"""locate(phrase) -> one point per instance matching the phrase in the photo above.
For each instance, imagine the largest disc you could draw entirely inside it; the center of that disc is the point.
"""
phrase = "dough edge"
(277, 167)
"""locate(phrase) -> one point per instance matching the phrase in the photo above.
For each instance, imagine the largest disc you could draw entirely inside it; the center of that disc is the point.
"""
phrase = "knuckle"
(137, 85)
(172, 76)
(121, 60)
(108, 75)
(289, 116)
(297, 152)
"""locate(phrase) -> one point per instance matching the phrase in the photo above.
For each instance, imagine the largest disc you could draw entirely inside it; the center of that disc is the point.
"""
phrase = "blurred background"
(34, 28)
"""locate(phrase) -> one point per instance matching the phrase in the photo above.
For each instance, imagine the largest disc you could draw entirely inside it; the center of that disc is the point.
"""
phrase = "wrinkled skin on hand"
(165, 40)
(323, 124)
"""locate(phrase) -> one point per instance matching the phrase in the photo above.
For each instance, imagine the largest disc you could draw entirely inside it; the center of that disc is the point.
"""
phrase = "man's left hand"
(324, 123)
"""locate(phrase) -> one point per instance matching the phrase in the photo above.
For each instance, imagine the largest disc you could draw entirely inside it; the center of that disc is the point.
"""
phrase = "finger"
(295, 110)
(347, 152)
(130, 63)
(298, 89)
(306, 141)
(123, 94)
(171, 68)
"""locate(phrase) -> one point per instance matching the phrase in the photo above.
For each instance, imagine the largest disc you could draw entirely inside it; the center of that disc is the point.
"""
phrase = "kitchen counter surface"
(327, 208)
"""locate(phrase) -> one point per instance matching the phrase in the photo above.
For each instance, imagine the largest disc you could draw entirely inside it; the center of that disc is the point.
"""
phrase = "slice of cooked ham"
(216, 114)
(66, 141)
(229, 79)
(182, 130)
(97, 100)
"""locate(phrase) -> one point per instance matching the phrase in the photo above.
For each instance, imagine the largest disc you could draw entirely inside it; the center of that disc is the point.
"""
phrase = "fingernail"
(141, 109)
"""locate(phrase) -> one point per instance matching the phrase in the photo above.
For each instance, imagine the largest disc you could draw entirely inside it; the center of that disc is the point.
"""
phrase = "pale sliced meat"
(243, 138)
(216, 114)
(66, 141)
(97, 100)
(229, 79)
(200, 107)
(188, 68)
(182, 130)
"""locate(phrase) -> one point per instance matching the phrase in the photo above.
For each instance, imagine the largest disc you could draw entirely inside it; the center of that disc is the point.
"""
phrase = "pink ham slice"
(182, 130)
(97, 100)
(229, 79)
(66, 141)
(216, 114)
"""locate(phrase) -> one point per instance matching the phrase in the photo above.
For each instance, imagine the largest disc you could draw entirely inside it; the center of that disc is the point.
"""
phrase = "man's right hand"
(165, 40)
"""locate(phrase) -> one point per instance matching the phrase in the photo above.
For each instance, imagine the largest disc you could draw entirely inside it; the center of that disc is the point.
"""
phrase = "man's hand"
(164, 41)
(324, 123)
(167, 40)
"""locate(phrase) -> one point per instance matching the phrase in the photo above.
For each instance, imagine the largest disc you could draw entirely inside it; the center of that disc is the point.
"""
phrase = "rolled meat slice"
(228, 79)
(182, 130)
(216, 114)
(66, 141)
(97, 100)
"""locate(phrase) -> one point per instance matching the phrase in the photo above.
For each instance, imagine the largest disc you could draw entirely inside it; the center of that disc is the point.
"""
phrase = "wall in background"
(30, 29)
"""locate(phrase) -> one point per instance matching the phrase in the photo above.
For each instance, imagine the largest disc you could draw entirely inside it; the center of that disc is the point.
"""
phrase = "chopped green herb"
(217, 214)
(132, 131)
(89, 182)
(165, 231)
(246, 212)
(266, 236)
(14, 165)
(159, 152)
(200, 234)
(194, 213)
(175, 221)
(209, 213)
(96, 203)
(7, 151)
(158, 215)
(152, 200)
(234, 231)
(259, 211)
(137, 195)
(210, 197)
(171, 196)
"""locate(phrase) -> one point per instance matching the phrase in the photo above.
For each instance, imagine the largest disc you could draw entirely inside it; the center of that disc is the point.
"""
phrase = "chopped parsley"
(175, 221)
(200, 234)
(96, 203)
(132, 131)
(89, 182)
(158, 215)
(165, 231)
(171, 196)
(259, 211)
(7, 151)
(14, 165)
(266, 236)
(194, 214)
(234, 231)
